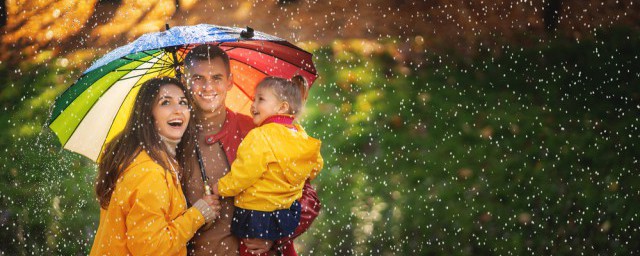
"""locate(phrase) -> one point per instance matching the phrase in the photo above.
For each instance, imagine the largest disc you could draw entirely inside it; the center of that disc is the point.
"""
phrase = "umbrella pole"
(205, 179)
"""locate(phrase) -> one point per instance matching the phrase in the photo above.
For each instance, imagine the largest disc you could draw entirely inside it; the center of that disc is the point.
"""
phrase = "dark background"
(475, 128)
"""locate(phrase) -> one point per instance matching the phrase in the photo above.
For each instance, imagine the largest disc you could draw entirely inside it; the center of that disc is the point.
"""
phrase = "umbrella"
(96, 107)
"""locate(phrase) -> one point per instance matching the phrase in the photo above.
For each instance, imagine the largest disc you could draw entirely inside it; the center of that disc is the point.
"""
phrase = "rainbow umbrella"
(96, 107)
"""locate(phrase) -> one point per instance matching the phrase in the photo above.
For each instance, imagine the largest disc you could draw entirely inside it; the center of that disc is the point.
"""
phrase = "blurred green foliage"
(530, 150)
(47, 205)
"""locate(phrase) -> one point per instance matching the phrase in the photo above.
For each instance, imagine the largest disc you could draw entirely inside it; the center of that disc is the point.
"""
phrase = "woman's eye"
(164, 102)
(184, 102)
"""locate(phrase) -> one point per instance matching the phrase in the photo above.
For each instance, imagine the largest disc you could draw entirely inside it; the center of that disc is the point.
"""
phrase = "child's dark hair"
(292, 90)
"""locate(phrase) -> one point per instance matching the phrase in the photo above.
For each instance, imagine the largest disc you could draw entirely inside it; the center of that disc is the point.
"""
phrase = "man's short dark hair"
(206, 52)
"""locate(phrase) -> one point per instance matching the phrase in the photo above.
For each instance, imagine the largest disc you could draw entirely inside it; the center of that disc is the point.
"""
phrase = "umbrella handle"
(207, 188)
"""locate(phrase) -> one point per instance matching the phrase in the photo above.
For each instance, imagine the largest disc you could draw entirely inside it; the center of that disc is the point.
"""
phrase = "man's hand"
(257, 245)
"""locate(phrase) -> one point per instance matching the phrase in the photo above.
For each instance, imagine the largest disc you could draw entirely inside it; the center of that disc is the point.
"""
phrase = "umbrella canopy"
(96, 107)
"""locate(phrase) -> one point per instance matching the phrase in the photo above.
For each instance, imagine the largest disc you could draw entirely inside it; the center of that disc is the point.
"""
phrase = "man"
(220, 131)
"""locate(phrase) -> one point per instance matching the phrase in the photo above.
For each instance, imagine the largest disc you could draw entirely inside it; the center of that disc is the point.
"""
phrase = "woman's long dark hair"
(139, 133)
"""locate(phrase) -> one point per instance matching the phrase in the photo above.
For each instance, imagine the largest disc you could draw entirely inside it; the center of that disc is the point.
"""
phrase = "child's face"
(266, 104)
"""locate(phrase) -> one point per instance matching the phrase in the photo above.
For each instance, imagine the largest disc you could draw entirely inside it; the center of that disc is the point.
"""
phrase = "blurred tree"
(469, 26)
(552, 10)
(36, 25)
(3, 13)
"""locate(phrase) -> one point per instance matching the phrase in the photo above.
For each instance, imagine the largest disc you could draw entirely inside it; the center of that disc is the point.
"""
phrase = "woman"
(143, 210)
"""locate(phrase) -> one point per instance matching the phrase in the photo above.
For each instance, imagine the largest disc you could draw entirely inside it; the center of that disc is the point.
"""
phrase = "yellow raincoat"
(147, 214)
(271, 167)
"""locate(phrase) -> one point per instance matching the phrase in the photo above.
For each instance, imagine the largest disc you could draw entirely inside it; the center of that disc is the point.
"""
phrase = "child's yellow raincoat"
(271, 166)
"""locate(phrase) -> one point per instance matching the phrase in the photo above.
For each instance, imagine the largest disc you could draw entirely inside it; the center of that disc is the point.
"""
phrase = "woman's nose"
(178, 108)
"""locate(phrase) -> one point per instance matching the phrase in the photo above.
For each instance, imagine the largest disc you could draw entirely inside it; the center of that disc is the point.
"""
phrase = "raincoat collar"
(286, 120)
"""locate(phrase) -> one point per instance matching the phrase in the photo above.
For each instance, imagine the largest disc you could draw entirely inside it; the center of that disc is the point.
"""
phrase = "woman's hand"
(214, 202)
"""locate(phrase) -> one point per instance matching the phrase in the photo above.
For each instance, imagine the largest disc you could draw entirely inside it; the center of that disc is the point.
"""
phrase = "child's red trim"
(286, 120)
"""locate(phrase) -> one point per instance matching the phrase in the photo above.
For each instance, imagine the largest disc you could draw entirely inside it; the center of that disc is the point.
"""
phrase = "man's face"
(208, 82)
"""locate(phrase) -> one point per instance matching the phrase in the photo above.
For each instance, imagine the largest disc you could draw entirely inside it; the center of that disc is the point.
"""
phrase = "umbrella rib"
(49, 120)
(234, 47)
(265, 73)
(146, 73)
(150, 55)
(184, 53)
(141, 61)
(243, 91)
(290, 45)
(157, 57)
(134, 69)
(164, 72)
(278, 43)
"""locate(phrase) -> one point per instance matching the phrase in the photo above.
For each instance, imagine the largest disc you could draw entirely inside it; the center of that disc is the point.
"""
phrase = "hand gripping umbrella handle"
(205, 179)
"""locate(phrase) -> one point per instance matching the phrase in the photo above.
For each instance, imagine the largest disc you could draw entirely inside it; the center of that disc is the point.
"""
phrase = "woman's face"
(171, 112)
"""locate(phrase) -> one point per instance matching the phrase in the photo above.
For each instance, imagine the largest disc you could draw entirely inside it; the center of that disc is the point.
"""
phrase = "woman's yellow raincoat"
(147, 214)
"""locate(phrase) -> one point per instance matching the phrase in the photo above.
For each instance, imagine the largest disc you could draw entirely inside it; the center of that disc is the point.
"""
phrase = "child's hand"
(214, 190)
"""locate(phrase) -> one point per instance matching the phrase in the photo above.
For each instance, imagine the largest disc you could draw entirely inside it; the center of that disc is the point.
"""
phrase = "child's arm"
(251, 162)
(320, 164)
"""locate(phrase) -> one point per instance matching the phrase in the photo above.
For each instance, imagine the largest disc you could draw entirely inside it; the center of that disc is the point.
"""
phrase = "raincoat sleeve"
(320, 164)
(254, 154)
(149, 232)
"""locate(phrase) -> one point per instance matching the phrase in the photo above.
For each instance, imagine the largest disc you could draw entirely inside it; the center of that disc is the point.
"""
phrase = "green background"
(532, 148)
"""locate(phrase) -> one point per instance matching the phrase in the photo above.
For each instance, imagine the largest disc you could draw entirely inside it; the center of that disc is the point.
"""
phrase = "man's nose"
(208, 85)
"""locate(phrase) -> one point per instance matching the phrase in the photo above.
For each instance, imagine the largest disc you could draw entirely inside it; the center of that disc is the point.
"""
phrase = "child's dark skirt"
(266, 225)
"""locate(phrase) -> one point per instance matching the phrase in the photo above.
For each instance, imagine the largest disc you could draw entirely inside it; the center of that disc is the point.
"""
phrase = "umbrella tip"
(247, 34)
(166, 25)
